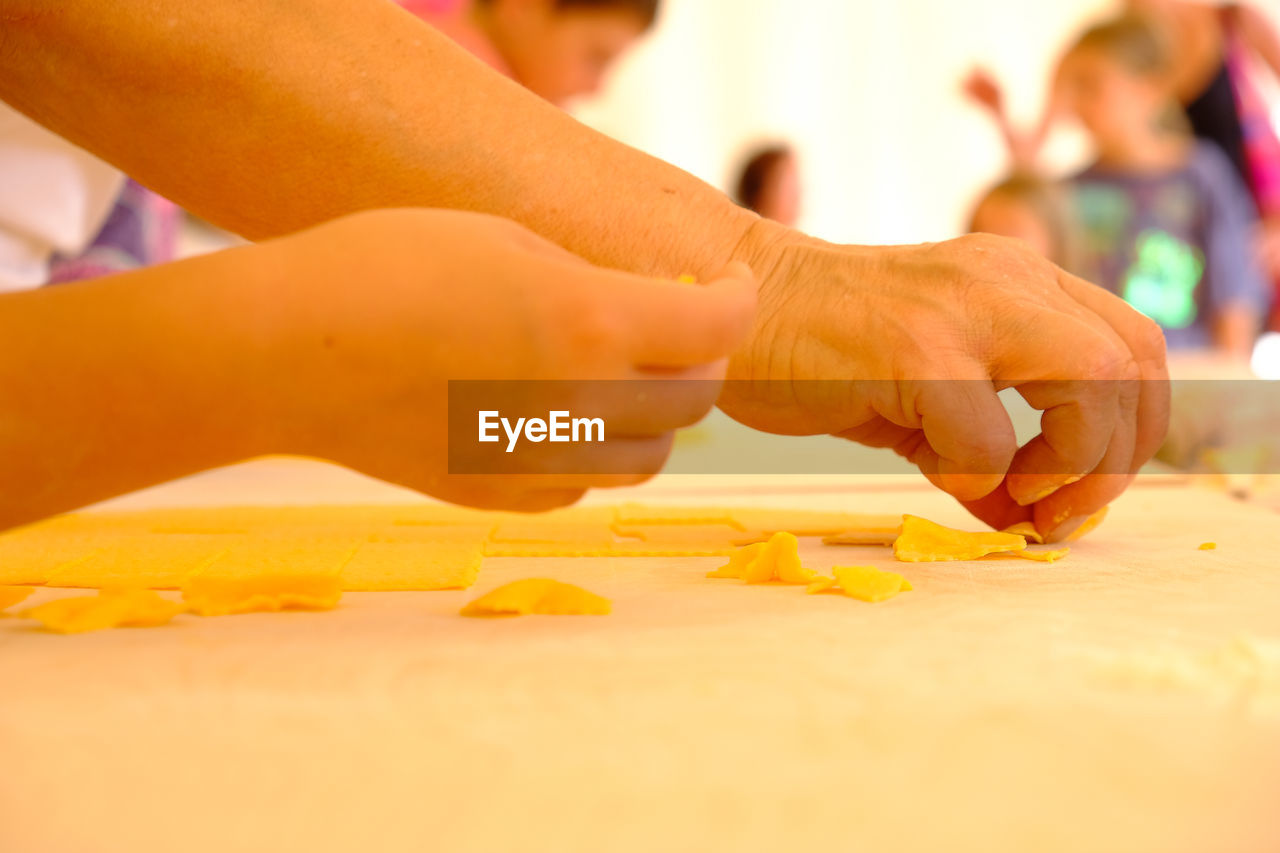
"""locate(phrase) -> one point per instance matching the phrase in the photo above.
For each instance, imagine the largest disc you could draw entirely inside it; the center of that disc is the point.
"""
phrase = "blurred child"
(1161, 218)
(769, 184)
(1219, 50)
(1027, 208)
(558, 49)
(1164, 220)
(65, 215)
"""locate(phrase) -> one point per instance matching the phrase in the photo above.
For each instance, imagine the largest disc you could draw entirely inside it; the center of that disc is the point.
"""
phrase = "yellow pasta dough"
(777, 560)
(1043, 556)
(11, 595)
(382, 566)
(1027, 530)
(865, 583)
(924, 541)
(539, 596)
(634, 514)
(864, 536)
(110, 608)
(227, 594)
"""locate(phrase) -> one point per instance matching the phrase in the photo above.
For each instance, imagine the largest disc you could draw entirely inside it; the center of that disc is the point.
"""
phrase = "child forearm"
(268, 118)
(1235, 330)
(126, 381)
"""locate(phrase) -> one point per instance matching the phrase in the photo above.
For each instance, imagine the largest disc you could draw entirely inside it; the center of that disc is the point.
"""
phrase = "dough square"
(379, 566)
(151, 562)
(31, 557)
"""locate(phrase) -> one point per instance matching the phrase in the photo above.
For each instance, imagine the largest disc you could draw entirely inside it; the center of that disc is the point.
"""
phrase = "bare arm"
(1024, 147)
(1235, 330)
(123, 382)
(338, 342)
(1261, 35)
(270, 117)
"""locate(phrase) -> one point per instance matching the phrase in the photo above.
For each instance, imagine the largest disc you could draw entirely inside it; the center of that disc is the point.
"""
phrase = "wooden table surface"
(1127, 699)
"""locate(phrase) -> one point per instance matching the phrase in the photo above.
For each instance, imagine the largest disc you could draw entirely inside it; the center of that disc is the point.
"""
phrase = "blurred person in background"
(1162, 219)
(1029, 208)
(1216, 49)
(65, 215)
(558, 49)
(769, 184)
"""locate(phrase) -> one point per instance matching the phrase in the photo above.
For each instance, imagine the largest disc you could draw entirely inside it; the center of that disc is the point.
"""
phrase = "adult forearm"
(119, 383)
(269, 117)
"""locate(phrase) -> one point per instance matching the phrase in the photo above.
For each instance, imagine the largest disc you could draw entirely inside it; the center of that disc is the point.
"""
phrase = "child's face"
(1009, 216)
(562, 53)
(1110, 101)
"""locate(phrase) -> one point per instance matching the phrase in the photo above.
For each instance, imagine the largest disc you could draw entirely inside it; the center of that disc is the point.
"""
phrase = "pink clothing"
(1261, 147)
(450, 18)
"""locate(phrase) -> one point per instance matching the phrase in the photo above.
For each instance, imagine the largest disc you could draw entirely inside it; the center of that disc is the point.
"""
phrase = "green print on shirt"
(1162, 281)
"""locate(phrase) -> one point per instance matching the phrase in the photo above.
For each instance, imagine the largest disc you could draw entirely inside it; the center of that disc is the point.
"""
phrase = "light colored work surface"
(1126, 699)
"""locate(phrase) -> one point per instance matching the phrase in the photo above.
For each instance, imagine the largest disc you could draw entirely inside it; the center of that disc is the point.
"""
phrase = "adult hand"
(374, 314)
(907, 347)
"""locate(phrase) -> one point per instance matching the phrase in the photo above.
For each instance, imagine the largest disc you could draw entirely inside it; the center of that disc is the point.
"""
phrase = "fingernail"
(1066, 527)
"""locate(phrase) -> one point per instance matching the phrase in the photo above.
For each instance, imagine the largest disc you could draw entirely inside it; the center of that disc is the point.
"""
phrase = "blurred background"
(869, 93)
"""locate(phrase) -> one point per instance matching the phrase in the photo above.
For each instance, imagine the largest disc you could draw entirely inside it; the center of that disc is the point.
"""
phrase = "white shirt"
(54, 197)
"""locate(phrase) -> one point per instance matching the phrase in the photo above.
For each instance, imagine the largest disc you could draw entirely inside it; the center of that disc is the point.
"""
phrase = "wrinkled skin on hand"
(915, 342)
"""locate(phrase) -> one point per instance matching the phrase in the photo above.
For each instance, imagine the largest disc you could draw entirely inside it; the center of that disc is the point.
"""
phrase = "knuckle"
(593, 328)
(1150, 339)
(1104, 360)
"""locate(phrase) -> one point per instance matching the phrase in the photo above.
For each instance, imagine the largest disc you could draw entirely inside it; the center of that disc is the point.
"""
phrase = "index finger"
(1063, 511)
(1146, 341)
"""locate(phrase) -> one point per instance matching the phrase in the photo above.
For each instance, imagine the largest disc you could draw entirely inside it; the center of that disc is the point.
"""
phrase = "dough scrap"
(738, 562)
(867, 583)
(1051, 556)
(1027, 530)
(538, 596)
(110, 608)
(924, 541)
(777, 560)
(270, 573)
(822, 584)
(11, 595)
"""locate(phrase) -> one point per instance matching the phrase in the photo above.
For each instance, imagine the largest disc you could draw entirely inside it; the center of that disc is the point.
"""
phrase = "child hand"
(381, 310)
